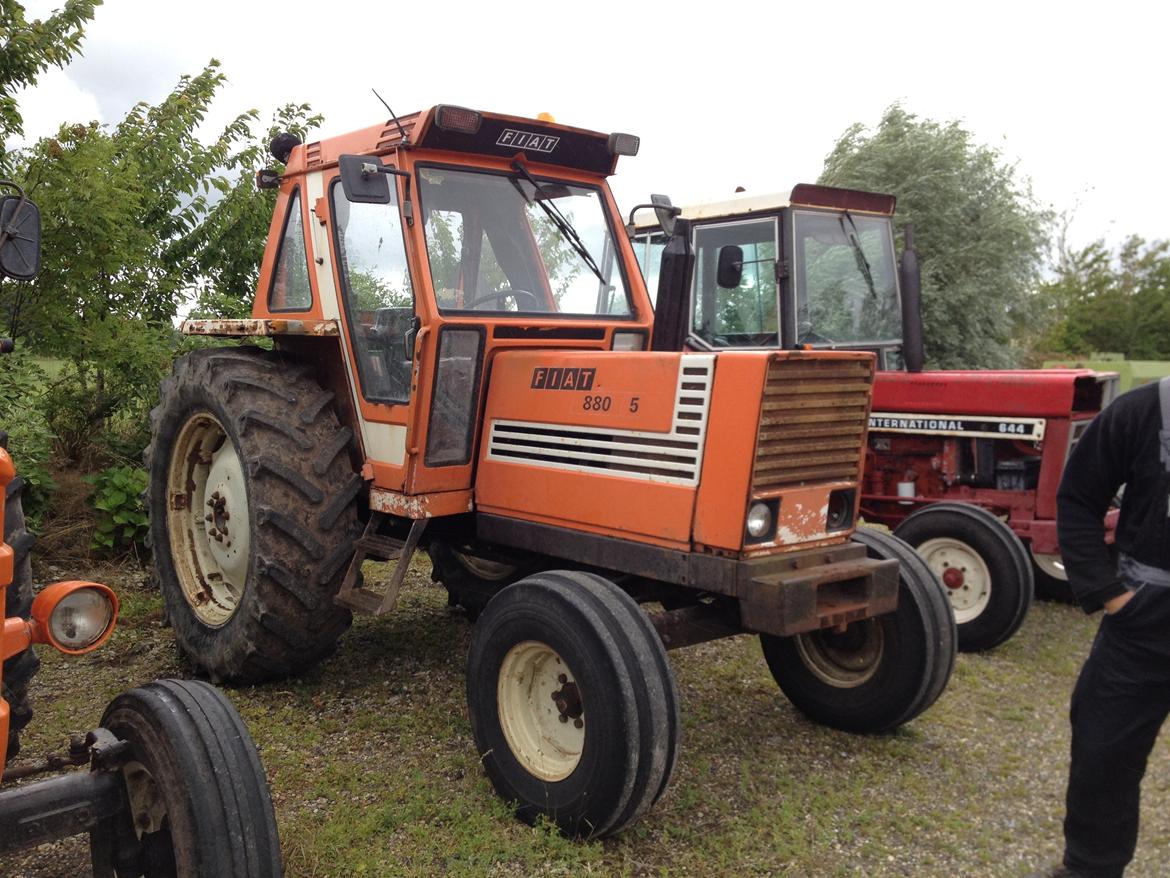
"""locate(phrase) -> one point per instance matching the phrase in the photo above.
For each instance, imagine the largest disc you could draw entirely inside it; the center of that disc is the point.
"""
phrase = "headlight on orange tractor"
(74, 617)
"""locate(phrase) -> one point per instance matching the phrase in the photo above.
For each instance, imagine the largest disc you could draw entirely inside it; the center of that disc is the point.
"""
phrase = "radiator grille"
(813, 422)
(675, 457)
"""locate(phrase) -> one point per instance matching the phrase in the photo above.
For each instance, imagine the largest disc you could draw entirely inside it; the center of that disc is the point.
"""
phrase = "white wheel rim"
(963, 572)
(843, 660)
(1052, 565)
(482, 568)
(207, 520)
(541, 711)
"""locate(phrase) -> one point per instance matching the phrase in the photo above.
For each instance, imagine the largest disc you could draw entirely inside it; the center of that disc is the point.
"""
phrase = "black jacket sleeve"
(1096, 468)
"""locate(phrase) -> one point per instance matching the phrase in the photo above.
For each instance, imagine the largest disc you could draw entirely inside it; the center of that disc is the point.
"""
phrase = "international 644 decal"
(980, 426)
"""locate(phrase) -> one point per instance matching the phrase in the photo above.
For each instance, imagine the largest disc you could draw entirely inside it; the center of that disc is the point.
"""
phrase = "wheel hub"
(207, 519)
(963, 571)
(846, 659)
(542, 713)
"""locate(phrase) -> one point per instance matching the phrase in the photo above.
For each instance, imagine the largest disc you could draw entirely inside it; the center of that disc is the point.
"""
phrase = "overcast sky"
(723, 94)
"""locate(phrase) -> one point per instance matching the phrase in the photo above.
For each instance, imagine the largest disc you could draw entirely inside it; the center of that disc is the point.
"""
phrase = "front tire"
(881, 672)
(983, 564)
(252, 513)
(572, 702)
(198, 796)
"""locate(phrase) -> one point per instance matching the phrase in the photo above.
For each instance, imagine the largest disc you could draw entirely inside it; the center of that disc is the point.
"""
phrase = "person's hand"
(1114, 604)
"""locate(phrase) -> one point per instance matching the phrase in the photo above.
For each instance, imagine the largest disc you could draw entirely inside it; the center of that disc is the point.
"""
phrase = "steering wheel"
(500, 295)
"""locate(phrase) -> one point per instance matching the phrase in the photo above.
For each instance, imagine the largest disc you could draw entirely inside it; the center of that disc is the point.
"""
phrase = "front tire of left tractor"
(198, 796)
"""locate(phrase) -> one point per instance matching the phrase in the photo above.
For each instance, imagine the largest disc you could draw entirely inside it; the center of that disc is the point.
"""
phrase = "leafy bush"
(30, 438)
(121, 516)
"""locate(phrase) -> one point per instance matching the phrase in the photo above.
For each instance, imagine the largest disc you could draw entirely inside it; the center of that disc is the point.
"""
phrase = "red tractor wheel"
(982, 563)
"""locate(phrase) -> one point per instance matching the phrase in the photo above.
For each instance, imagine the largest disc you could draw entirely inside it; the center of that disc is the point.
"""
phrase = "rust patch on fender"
(259, 327)
(416, 506)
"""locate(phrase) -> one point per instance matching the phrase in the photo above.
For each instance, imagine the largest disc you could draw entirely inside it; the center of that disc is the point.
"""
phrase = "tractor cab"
(815, 269)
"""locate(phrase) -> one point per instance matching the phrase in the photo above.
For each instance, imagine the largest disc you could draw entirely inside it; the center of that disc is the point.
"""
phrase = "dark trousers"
(1119, 703)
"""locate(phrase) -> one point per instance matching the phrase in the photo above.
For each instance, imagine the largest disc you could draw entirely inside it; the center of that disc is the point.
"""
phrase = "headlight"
(74, 616)
(81, 618)
(839, 515)
(759, 521)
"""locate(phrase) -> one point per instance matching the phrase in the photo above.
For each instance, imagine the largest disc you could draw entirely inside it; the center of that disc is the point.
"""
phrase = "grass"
(374, 771)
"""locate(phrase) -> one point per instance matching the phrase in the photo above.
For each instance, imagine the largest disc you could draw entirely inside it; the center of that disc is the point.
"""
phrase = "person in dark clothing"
(1122, 695)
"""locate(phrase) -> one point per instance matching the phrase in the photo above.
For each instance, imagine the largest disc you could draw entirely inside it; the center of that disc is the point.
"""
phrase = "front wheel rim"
(843, 660)
(1052, 565)
(208, 520)
(964, 573)
(541, 711)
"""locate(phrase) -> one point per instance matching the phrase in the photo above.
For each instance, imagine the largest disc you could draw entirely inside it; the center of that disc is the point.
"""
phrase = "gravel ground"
(373, 769)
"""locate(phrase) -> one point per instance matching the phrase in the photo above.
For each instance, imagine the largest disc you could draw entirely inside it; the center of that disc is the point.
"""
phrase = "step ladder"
(375, 546)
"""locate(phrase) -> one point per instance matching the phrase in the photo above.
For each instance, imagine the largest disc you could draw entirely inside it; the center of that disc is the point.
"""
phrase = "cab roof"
(802, 195)
(495, 134)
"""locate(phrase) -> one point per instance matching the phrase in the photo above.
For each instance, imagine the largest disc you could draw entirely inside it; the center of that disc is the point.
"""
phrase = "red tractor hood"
(1029, 393)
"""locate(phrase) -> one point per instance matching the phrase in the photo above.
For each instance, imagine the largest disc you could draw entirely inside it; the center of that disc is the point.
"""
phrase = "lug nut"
(578, 723)
(562, 679)
(227, 516)
(564, 718)
(219, 538)
(209, 517)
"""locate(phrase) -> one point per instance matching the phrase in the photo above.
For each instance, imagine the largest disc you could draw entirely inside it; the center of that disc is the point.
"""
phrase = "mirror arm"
(371, 168)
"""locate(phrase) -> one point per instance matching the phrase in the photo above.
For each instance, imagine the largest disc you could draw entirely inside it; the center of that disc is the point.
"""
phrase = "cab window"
(290, 290)
(378, 294)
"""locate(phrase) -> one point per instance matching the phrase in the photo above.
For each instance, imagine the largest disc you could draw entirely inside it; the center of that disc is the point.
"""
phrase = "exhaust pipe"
(911, 278)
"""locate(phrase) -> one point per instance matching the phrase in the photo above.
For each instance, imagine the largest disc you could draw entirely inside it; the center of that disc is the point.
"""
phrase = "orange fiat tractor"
(464, 360)
(174, 787)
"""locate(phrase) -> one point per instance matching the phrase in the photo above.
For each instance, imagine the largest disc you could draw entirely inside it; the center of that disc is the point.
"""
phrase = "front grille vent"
(813, 421)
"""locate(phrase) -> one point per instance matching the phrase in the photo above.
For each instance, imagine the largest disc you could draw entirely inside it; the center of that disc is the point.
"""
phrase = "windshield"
(845, 281)
(500, 243)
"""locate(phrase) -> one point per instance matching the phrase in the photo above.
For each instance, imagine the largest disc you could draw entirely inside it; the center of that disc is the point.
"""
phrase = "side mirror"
(362, 180)
(729, 271)
(665, 212)
(20, 238)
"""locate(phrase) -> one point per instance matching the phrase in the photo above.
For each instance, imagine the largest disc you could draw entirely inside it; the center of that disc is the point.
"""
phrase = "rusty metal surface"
(416, 506)
(812, 424)
(697, 624)
(827, 595)
(253, 327)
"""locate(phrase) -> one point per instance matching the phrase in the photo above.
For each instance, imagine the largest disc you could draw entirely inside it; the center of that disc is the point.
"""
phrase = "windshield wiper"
(862, 263)
(558, 219)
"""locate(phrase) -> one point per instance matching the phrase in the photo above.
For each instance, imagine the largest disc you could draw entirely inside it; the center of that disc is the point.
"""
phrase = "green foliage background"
(981, 236)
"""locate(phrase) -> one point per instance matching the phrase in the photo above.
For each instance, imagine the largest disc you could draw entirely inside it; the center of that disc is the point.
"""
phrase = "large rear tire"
(20, 668)
(881, 672)
(982, 563)
(199, 800)
(572, 702)
(252, 513)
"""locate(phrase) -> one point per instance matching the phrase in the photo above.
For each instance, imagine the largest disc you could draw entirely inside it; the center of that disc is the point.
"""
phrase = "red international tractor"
(465, 360)
(169, 785)
(963, 465)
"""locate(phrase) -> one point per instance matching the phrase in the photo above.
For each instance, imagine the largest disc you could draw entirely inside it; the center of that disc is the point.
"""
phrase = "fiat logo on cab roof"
(527, 140)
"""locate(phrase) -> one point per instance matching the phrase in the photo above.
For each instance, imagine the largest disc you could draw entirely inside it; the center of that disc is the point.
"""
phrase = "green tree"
(137, 218)
(1105, 301)
(980, 234)
(28, 49)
